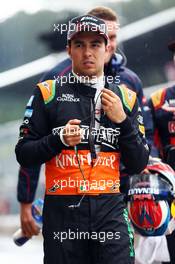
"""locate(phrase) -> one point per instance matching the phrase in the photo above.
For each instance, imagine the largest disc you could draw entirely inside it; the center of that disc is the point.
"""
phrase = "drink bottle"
(37, 208)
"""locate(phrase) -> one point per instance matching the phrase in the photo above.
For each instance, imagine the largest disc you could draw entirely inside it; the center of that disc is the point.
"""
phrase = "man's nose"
(87, 52)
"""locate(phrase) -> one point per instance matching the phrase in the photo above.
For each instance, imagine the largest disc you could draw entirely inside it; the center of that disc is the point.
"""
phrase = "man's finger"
(109, 92)
(72, 131)
(105, 102)
(74, 122)
(74, 141)
(30, 229)
(109, 96)
(27, 230)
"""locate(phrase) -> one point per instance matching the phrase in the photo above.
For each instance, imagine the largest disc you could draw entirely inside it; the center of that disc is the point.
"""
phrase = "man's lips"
(88, 63)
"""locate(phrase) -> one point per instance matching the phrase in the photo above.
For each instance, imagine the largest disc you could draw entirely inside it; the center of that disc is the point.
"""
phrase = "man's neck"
(95, 81)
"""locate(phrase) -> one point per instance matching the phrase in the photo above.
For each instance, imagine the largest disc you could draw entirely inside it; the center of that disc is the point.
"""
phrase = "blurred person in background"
(115, 66)
(50, 133)
(162, 105)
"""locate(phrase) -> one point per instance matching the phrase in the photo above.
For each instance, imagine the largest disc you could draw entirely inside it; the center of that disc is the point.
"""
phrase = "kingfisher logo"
(68, 98)
(70, 160)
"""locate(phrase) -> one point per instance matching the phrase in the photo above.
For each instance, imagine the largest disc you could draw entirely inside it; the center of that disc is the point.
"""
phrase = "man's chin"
(89, 73)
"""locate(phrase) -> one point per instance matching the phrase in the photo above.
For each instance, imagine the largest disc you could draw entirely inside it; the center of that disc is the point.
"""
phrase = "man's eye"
(96, 45)
(78, 45)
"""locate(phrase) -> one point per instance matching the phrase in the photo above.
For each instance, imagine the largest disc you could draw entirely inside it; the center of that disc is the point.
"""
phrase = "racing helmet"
(148, 198)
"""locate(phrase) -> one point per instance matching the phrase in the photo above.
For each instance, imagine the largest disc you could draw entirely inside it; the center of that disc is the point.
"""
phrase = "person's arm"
(27, 183)
(133, 82)
(28, 225)
(26, 189)
(28, 177)
(132, 142)
(36, 143)
(133, 147)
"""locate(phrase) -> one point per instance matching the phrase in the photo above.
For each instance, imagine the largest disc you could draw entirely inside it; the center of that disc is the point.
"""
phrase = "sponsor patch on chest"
(68, 98)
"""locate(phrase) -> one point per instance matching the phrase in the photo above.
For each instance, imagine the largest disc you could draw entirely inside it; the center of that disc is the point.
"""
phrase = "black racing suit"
(28, 177)
(97, 215)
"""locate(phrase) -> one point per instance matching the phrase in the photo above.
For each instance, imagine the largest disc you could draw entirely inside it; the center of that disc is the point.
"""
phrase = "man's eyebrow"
(97, 41)
(78, 41)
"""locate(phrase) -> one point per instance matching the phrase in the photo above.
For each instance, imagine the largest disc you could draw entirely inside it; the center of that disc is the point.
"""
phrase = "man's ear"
(68, 48)
(107, 48)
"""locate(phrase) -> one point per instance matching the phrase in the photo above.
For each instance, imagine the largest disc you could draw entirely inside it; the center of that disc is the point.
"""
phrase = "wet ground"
(30, 253)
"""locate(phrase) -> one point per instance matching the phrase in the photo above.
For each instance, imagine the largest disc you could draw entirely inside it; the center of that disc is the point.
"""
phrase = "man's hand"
(72, 132)
(28, 225)
(112, 106)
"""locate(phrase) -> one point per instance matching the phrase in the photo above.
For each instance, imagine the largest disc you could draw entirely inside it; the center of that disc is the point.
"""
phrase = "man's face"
(112, 34)
(88, 52)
